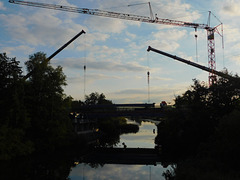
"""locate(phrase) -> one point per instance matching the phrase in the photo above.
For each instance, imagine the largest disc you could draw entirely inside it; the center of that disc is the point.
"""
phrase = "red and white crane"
(151, 19)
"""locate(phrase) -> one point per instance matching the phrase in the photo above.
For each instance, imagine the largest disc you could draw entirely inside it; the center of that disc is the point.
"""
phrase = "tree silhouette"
(13, 115)
(204, 129)
(96, 98)
(47, 104)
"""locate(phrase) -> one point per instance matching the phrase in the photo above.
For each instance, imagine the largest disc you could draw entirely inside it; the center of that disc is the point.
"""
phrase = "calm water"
(143, 139)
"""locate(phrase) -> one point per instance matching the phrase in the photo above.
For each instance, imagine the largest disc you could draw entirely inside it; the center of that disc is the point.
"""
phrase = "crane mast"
(133, 17)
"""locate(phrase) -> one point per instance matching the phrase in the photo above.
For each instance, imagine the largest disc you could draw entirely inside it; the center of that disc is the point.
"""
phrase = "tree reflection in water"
(65, 165)
(38, 167)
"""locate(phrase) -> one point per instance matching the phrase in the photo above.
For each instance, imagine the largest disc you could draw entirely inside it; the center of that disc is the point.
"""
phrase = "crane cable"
(148, 77)
(84, 67)
(196, 36)
(223, 46)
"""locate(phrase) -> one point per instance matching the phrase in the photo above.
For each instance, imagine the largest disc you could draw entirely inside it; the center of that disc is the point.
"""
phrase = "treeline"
(34, 112)
(201, 134)
(110, 128)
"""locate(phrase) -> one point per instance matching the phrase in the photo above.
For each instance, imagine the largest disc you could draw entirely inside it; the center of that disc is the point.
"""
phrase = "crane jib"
(151, 19)
(98, 12)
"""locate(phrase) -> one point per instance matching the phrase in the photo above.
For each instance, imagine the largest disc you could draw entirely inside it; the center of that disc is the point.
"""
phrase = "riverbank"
(67, 163)
(202, 132)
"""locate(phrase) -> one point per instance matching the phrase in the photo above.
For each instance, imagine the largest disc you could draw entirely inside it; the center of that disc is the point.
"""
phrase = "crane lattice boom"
(98, 12)
(156, 20)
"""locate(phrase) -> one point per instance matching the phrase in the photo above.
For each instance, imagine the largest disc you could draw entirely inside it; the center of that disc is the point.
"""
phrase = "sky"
(114, 51)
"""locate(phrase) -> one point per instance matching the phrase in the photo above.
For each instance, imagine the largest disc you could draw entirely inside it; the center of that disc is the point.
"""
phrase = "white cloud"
(165, 45)
(39, 29)
(105, 53)
(236, 59)
(103, 65)
(22, 48)
(106, 25)
(175, 9)
(132, 36)
(90, 39)
(161, 79)
(172, 34)
(231, 33)
(14, 24)
(232, 8)
(157, 93)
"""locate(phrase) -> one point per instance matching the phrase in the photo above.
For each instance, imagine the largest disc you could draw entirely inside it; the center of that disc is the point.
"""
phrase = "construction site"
(211, 32)
(170, 105)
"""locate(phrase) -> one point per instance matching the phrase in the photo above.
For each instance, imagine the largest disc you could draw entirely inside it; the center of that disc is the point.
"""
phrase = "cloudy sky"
(114, 50)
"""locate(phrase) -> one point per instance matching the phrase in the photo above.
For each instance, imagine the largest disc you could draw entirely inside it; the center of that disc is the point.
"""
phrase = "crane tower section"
(211, 56)
(151, 19)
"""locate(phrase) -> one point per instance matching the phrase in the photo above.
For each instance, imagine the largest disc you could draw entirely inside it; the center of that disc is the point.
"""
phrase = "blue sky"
(114, 50)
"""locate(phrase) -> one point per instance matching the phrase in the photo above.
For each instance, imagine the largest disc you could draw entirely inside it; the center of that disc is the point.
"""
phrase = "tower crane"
(151, 19)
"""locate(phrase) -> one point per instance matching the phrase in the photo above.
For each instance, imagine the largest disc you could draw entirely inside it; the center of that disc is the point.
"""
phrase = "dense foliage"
(13, 115)
(33, 112)
(202, 131)
(110, 128)
(96, 99)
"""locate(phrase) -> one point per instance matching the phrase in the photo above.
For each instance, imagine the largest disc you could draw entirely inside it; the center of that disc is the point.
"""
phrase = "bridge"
(122, 110)
(130, 156)
(86, 118)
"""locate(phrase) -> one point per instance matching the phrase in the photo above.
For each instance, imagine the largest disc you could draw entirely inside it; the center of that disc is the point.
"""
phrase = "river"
(143, 139)
(66, 165)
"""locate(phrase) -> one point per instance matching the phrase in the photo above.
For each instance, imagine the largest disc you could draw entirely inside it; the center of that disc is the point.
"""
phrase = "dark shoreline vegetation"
(35, 112)
(199, 135)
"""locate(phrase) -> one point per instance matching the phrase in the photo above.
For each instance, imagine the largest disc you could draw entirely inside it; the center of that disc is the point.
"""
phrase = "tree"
(197, 114)
(10, 88)
(207, 119)
(13, 115)
(47, 104)
(96, 98)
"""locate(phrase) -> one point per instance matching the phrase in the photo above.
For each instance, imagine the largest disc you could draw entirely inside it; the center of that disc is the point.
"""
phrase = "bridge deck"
(136, 105)
(141, 112)
(140, 156)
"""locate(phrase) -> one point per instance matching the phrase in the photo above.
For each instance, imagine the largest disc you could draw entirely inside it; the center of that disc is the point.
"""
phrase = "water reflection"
(117, 172)
(65, 165)
(143, 139)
